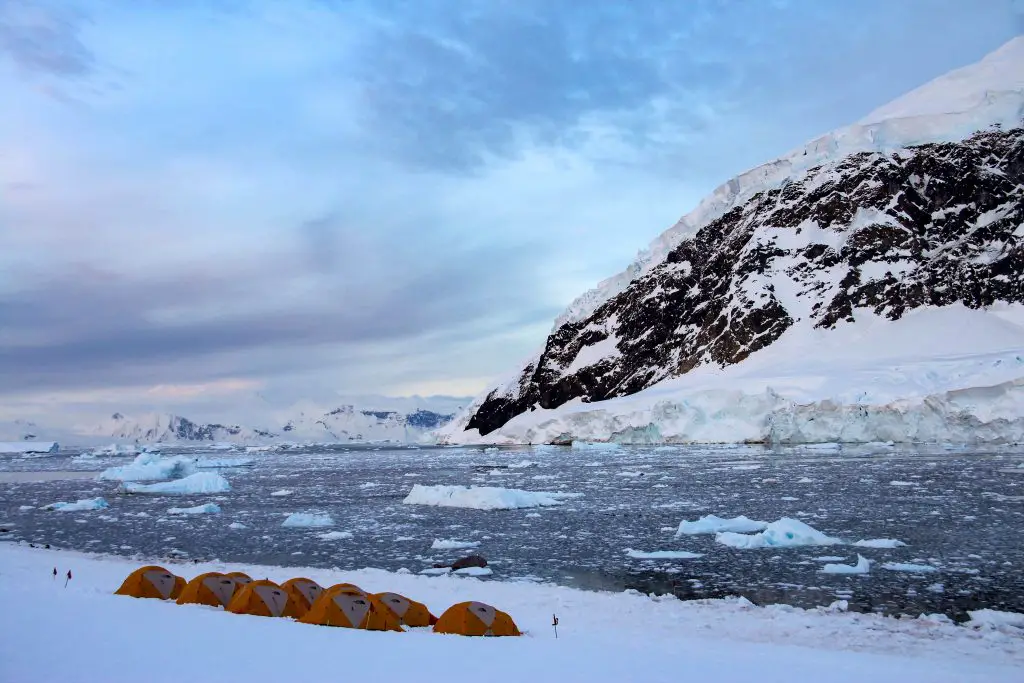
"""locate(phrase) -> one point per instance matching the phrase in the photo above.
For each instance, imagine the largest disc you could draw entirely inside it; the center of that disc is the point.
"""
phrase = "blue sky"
(199, 199)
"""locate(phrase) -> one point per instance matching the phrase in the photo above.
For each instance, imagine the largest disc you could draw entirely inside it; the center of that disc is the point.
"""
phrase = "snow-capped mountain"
(349, 422)
(910, 222)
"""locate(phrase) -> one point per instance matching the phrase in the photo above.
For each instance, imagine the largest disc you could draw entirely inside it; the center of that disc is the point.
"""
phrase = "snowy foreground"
(84, 632)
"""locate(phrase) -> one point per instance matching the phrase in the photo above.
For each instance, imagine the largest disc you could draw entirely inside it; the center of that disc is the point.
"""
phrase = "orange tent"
(303, 592)
(350, 608)
(152, 582)
(262, 598)
(475, 619)
(212, 588)
(346, 586)
(409, 612)
(241, 578)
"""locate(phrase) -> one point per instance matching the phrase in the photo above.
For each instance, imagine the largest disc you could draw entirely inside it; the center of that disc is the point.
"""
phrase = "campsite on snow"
(785, 443)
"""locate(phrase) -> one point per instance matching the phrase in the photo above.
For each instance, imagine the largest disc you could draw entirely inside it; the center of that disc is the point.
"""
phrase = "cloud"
(43, 38)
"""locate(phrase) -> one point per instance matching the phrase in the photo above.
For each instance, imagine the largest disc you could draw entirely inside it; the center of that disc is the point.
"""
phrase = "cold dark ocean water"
(959, 510)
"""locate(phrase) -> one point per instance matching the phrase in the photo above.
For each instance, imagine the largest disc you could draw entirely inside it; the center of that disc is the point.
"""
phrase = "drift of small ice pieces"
(880, 543)
(662, 554)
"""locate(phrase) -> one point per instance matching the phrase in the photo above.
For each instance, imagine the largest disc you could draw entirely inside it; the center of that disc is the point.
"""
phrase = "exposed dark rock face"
(934, 224)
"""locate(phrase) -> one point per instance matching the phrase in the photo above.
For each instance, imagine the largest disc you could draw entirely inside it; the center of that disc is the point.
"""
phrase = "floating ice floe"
(308, 519)
(783, 533)
(369, 485)
(116, 449)
(200, 482)
(522, 464)
(863, 566)
(29, 447)
(207, 509)
(23, 508)
(895, 482)
(484, 497)
(474, 571)
(435, 571)
(908, 567)
(80, 506)
(150, 466)
(237, 525)
(662, 554)
(442, 544)
(880, 543)
(335, 535)
(712, 524)
(282, 492)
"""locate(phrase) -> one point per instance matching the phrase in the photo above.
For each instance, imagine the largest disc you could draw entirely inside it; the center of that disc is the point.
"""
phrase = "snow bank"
(484, 497)
(783, 533)
(150, 466)
(611, 636)
(308, 519)
(29, 447)
(907, 567)
(200, 482)
(208, 509)
(880, 543)
(712, 524)
(440, 544)
(863, 566)
(335, 536)
(662, 554)
(995, 620)
(80, 506)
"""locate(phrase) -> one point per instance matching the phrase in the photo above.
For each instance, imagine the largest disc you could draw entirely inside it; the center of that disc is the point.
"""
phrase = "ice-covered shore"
(904, 381)
(602, 636)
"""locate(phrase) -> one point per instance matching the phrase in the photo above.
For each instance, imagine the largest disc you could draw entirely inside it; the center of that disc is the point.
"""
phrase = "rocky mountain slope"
(919, 206)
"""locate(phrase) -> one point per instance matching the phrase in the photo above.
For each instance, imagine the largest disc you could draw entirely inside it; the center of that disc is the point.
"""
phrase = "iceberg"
(907, 567)
(200, 482)
(712, 524)
(663, 555)
(484, 497)
(209, 508)
(880, 543)
(863, 566)
(29, 447)
(440, 544)
(80, 506)
(783, 533)
(308, 519)
(149, 467)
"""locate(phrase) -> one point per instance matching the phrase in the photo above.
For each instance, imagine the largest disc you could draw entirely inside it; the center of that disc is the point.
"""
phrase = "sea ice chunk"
(80, 506)
(308, 519)
(484, 497)
(863, 566)
(712, 524)
(200, 482)
(783, 533)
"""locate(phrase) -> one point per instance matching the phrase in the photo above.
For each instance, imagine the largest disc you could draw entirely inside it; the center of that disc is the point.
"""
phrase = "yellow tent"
(346, 586)
(263, 598)
(409, 612)
(350, 608)
(212, 588)
(152, 582)
(475, 619)
(303, 592)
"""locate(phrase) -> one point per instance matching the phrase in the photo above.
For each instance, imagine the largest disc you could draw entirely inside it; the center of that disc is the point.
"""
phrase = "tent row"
(344, 604)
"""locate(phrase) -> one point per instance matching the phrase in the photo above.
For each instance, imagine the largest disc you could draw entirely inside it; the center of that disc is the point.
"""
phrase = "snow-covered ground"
(84, 632)
(876, 380)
